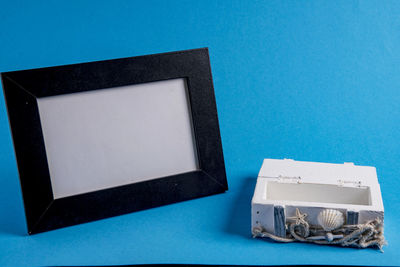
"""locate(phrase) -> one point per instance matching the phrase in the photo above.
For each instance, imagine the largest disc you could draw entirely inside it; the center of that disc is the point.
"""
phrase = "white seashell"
(330, 219)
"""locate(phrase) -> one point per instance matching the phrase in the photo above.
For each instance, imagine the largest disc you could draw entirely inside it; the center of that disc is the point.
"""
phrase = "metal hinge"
(352, 183)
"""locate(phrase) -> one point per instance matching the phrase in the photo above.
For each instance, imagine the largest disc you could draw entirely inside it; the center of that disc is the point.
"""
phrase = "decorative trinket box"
(322, 203)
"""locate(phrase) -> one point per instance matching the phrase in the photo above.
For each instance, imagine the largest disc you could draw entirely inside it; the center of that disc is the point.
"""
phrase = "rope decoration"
(364, 235)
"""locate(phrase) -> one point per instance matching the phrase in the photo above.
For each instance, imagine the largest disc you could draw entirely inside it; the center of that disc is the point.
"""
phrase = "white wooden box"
(295, 193)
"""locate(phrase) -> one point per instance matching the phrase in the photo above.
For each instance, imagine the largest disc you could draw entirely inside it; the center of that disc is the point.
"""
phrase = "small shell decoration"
(330, 219)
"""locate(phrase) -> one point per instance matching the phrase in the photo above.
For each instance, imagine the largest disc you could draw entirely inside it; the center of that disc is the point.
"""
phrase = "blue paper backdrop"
(308, 80)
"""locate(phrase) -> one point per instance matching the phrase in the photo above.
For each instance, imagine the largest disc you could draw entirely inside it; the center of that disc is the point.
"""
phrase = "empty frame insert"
(105, 138)
(100, 139)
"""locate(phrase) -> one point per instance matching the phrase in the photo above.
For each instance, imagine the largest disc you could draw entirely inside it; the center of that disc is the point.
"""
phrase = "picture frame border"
(23, 88)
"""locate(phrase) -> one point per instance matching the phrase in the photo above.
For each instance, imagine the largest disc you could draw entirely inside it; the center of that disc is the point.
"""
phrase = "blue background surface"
(308, 80)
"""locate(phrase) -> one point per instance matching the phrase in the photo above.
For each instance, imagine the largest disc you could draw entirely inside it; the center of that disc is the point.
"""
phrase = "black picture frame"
(21, 90)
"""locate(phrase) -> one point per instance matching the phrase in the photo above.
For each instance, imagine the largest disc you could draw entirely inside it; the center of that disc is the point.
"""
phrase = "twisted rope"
(360, 235)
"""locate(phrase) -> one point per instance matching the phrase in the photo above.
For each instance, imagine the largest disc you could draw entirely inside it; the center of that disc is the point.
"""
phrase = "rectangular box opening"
(321, 193)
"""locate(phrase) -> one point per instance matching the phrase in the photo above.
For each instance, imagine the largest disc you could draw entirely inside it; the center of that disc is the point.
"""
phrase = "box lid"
(329, 173)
